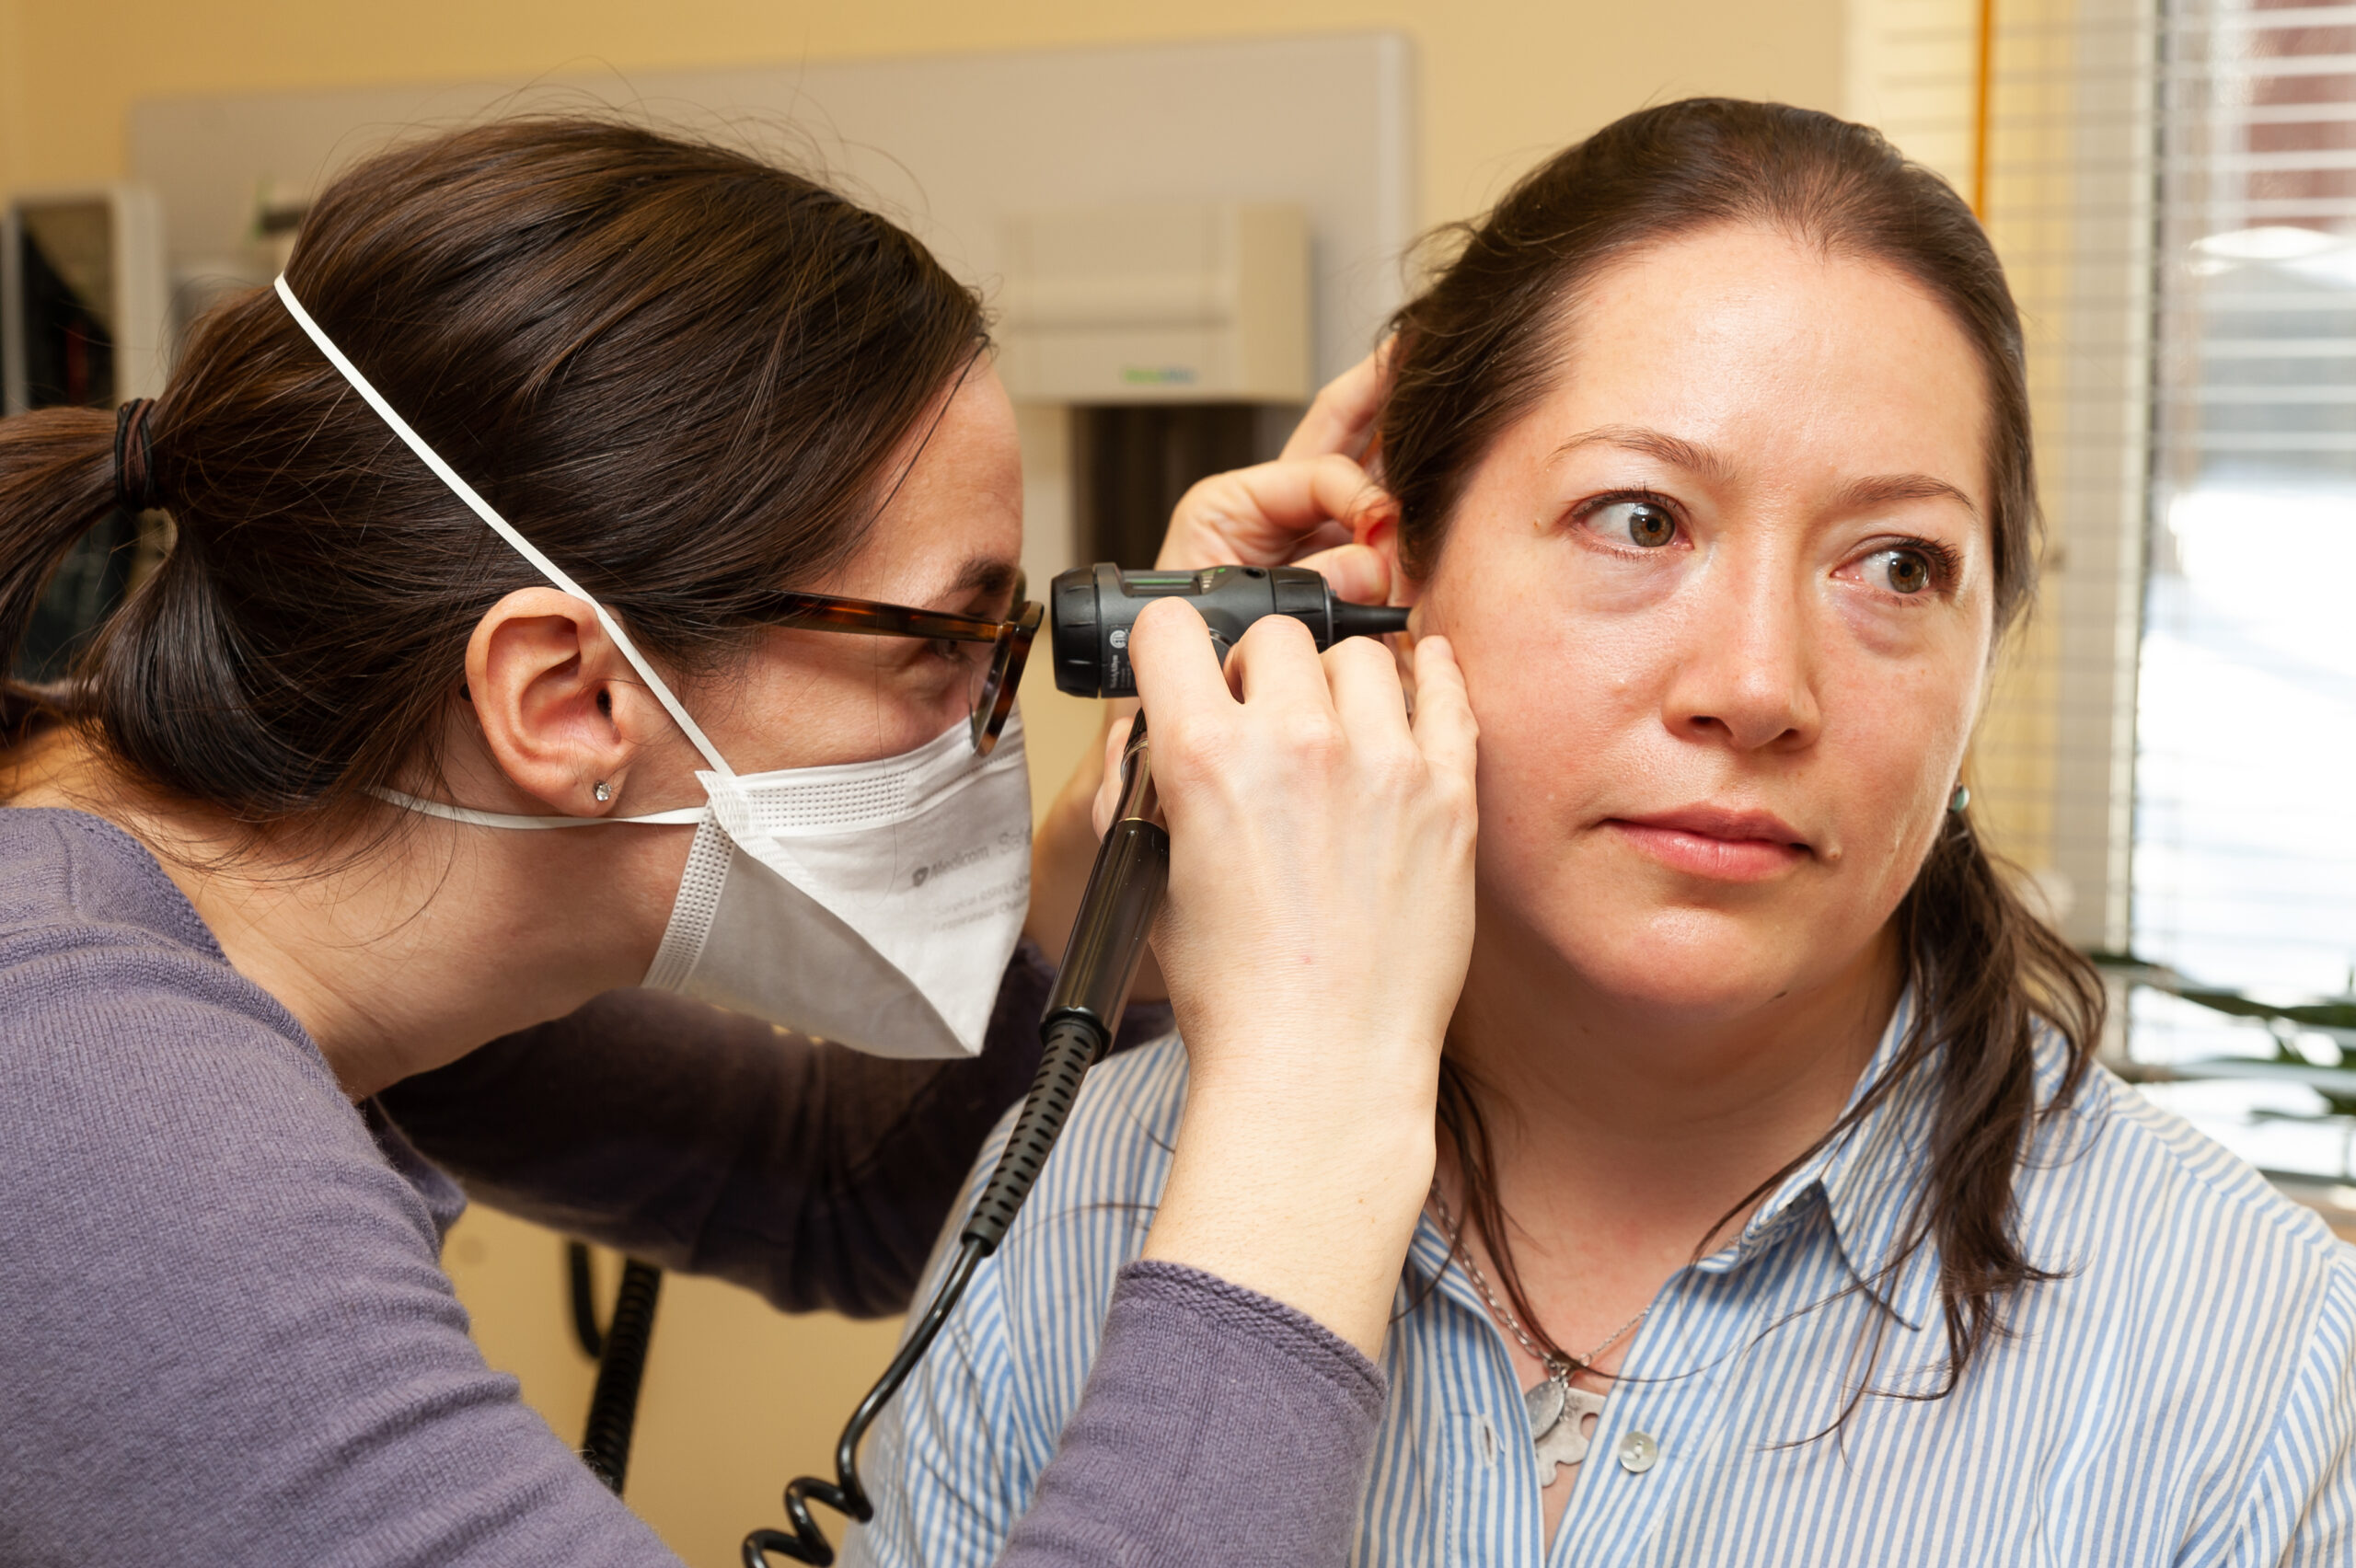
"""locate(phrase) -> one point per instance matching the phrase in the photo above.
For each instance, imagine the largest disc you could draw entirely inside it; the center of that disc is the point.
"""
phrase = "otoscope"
(1094, 608)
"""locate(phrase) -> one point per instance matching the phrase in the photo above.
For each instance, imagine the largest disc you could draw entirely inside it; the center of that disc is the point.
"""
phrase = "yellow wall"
(14, 168)
(1502, 79)
(738, 1398)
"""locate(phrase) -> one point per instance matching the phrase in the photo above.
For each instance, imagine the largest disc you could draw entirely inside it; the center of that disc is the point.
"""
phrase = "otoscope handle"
(1116, 912)
(1108, 938)
(1108, 941)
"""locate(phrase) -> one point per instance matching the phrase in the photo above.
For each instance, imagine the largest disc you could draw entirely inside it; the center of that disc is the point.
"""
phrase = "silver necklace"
(1557, 1411)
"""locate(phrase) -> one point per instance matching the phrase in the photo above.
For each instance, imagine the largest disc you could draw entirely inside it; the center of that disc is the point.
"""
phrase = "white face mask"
(874, 904)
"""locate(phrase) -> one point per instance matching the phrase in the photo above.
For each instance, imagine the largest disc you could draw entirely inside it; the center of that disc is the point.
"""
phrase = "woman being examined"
(580, 477)
(1778, 1211)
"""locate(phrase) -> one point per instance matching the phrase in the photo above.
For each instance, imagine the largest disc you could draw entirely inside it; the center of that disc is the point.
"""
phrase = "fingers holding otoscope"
(1315, 828)
(1318, 925)
(1298, 512)
(1305, 507)
(1312, 507)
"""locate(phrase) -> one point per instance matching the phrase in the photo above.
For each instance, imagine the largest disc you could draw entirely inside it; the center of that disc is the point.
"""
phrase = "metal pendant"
(1558, 1415)
(1544, 1403)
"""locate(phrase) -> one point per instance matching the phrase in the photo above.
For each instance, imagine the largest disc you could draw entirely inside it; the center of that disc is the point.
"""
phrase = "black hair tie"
(135, 458)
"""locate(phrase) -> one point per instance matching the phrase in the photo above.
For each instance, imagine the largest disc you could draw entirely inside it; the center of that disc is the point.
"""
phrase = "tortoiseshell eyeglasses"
(1008, 641)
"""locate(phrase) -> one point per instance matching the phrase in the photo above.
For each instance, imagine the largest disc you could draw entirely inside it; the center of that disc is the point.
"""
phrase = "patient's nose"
(1746, 674)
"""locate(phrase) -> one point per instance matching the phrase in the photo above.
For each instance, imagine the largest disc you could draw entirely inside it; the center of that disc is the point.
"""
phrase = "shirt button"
(1638, 1452)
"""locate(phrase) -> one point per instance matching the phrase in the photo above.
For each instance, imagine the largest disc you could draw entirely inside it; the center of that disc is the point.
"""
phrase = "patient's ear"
(1376, 526)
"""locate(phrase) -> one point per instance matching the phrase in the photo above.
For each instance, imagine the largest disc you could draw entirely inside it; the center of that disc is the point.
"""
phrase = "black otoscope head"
(1095, 605)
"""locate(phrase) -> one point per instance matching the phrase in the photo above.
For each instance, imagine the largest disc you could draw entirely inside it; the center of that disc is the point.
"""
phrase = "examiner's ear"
(555, 698)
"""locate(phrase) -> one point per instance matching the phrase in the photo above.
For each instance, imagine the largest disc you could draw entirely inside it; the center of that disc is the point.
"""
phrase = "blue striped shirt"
(2185, 1392)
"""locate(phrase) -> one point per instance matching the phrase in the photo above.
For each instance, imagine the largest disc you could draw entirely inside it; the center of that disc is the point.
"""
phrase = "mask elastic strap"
(508, 532)
(473, 818)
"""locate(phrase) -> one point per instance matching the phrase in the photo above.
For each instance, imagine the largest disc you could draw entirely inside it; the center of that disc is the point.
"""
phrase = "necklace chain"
(1556, 1364)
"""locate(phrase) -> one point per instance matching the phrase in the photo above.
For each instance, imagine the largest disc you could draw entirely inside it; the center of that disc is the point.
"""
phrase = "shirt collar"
(1870, 1181)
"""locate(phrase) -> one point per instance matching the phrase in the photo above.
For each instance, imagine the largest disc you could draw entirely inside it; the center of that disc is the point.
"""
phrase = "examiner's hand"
(1296, 511)
(1299, 508)
(1319, 924)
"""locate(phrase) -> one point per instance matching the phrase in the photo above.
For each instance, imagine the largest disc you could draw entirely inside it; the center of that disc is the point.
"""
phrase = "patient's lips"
(1716, 842)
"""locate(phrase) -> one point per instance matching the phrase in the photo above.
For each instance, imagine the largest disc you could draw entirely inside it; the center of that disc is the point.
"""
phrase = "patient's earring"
(604, 793)
(1956, 802)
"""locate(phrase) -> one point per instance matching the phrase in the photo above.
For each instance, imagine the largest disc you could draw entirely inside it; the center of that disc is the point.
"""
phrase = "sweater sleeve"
(1217, 1426)
(711, 1143)
(223, 1328)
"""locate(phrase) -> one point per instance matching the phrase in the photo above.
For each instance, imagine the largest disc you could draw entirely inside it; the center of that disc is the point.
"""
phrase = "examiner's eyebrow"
(983, 574)
(1676, 451)
(1881, 489)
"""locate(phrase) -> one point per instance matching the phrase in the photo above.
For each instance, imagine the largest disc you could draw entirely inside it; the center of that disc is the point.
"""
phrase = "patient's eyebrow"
(1857, 495)
(1881, 489)
(1676, 451)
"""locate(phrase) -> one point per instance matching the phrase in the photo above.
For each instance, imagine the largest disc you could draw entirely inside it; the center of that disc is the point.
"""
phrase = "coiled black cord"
(1073, 1044)
(582, 1289)
(613, 1407)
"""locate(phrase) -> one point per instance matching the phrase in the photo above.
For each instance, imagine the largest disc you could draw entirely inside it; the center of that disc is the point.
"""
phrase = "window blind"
(2056, 145)
(2172, 185)
(2245, 859)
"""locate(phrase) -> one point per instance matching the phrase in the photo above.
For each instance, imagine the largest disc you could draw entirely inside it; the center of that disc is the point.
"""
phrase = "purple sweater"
(224, 1332)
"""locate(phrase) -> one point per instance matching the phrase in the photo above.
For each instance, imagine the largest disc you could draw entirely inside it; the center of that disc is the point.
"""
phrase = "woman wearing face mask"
(596, 571)
(1781, 1214)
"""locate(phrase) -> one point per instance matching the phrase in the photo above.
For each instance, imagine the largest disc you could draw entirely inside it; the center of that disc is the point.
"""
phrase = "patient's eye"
(1902, 571)
(1639, 523)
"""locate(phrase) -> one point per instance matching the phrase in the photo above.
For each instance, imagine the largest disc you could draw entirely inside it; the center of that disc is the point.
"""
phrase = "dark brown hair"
(1483, 345)
(677, 370)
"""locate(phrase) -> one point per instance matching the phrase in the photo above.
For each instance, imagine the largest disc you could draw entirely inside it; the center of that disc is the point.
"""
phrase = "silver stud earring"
(602, 793)
(1956, 802)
